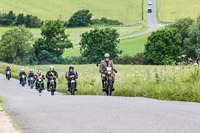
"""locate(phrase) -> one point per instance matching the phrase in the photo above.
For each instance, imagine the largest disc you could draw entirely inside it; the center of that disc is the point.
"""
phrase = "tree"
(10, 18)
(54, 41)
(35, 22)
(27, 20)
(20, 19)
(97, 42)
(80, 18)
(192, 43)
(16, 46)
(183, 27)
(163, 46)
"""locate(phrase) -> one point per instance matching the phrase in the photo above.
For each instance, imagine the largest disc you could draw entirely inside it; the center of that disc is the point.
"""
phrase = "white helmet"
(51, 67)
(22, 69)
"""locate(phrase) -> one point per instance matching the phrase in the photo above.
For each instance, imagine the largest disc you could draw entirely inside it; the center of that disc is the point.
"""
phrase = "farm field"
(129, 46)
(76, 32)
(170, 10)
(126, 11)
(161, 82)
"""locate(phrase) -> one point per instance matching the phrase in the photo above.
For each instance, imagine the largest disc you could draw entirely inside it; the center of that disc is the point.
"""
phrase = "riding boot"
(103, 85)
(76, 88)
(68, 86)
(48, 86)
(113, 86)
(28, 82)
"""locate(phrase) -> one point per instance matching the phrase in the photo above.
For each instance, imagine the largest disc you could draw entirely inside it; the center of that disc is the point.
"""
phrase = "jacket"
(68, 73)
(49, 74)
(104, 65)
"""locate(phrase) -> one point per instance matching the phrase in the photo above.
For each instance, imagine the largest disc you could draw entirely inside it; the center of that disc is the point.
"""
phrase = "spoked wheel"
(52, 92)
(109, 88)
(72, 89)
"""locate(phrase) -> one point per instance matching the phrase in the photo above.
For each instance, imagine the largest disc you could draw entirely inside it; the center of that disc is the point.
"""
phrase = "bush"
(138, 59)
(80, 18)
(105, 21)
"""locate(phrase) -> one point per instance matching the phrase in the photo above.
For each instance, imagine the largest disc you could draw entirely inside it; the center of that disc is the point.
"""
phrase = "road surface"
(44, 113)
(152, 21)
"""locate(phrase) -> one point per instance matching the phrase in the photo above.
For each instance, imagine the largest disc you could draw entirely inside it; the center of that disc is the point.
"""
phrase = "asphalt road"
(152, 21)
(44, 113)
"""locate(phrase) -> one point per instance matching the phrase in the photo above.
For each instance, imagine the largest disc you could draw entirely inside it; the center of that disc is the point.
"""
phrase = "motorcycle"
(108, 82)
(8, 75)
(32, 80)
(23, 80)
(40, 84)
(72, 84)
(52, 86)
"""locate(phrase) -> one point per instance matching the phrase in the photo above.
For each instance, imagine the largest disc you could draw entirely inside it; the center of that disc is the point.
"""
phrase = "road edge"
(13, 122)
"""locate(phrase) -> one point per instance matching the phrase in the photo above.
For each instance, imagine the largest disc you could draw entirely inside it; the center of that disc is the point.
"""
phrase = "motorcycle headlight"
(109, 72)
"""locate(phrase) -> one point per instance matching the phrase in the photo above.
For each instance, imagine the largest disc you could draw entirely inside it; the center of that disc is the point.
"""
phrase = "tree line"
(11, 19)
(80, 18)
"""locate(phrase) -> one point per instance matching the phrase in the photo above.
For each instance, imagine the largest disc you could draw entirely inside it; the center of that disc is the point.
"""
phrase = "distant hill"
(127, 11)
(170, 10)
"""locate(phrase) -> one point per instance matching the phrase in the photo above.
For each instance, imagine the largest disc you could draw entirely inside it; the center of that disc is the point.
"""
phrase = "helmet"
(107, 55)
(31, 70)
(71, 66)
(39, 71)
(22, 69)
(51, 67)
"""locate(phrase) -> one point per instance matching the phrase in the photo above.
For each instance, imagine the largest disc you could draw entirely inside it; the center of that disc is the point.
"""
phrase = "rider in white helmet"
(22, 72)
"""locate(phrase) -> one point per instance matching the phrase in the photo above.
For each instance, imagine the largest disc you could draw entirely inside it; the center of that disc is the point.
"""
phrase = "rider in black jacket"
(20, 75)
(52, 73)
(30, 75)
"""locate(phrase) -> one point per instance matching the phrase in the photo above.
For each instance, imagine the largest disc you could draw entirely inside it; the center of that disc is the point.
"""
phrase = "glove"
(115, 71)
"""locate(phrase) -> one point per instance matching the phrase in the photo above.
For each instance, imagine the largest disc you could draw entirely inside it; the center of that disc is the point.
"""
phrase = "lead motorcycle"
(72, 79)
(8, 75)
(109, 81)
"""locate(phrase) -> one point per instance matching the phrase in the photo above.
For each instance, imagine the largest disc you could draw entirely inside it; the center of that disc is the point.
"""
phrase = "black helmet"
(71, 66)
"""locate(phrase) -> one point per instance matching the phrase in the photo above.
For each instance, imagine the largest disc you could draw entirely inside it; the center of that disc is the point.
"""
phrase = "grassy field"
(161, 82)
(76, 32)
(170, 10)
(126, 11)
(129, 46)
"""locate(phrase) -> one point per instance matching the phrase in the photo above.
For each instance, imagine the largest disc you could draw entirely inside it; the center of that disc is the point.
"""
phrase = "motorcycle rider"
(51, 73)
(102, 69)
(30, 75)
(69, 73)
(8, 69)
(22, 72)
(39, 76)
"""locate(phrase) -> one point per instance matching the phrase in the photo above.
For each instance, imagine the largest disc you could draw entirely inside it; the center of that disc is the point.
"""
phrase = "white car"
(150, 3)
